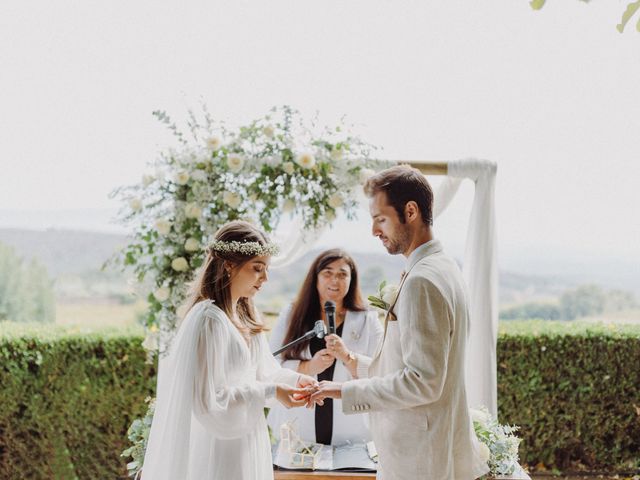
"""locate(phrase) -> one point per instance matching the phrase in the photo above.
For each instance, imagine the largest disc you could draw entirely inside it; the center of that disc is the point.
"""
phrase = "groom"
(414, 386)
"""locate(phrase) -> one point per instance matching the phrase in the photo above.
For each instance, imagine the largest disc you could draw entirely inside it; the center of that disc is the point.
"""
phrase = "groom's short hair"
(402, 184)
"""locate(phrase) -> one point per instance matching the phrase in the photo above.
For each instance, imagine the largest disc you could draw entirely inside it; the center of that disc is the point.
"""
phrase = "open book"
(295, 454)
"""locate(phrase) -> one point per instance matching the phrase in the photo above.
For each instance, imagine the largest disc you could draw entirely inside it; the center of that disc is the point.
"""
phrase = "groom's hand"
(310, 384)
(325, 390)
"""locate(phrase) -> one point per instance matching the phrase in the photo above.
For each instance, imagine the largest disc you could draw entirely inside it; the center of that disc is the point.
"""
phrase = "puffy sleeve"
(226, 408)
(277, 338)
(269, 369)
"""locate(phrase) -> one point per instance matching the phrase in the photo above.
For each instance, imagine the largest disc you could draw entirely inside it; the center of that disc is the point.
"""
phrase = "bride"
(209, 420)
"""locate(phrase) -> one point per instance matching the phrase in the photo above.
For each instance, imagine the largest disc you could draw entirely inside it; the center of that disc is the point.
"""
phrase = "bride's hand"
(293, 396)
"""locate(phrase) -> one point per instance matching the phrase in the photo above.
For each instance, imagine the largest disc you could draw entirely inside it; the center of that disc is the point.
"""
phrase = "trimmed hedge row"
(575, 393)
(67, 399)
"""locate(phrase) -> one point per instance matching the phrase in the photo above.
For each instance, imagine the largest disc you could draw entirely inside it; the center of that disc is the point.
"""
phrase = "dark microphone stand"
(319, 330)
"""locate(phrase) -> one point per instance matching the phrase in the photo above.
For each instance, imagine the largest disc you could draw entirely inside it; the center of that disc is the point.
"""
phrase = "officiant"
(332, 276)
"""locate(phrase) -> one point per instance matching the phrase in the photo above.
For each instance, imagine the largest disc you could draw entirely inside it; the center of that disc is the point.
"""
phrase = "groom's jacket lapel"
(435, 247)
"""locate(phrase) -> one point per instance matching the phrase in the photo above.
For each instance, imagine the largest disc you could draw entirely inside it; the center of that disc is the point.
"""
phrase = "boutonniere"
(387, 294)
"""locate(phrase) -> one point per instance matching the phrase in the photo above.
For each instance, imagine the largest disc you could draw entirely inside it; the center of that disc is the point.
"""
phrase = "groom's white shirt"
(415, 392)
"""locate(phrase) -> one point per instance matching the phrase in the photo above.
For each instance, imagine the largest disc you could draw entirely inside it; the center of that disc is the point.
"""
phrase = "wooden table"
(289, 475)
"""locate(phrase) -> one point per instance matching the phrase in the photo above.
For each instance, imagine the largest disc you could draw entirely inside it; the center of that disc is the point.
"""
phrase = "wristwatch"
(350, 358)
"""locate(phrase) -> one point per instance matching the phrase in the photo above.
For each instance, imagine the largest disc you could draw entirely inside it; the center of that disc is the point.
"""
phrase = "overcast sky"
(551, 96)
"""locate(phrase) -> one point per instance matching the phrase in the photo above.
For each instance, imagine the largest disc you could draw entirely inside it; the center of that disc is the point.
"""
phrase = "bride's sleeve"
(269, 370)
(226, 410)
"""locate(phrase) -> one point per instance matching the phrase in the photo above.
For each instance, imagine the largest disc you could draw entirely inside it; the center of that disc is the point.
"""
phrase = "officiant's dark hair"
(214, 283)
(307, 309)
(402, 184)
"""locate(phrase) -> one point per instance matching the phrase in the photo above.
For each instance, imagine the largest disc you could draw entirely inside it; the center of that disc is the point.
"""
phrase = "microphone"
(330, 313)
(319, 330)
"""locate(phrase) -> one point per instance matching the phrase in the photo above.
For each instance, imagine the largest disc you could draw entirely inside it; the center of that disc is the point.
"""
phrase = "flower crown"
(253, 249)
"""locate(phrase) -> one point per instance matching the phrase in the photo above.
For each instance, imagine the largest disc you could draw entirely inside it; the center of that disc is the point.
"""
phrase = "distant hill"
(74, 259)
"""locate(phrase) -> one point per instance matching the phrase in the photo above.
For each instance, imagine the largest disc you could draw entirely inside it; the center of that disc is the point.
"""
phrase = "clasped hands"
(308, 392)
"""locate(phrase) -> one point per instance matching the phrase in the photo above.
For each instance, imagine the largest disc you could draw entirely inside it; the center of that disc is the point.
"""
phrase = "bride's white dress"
(209, 420)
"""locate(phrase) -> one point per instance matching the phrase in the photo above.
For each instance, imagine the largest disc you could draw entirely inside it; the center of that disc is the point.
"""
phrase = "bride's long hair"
(213, 283)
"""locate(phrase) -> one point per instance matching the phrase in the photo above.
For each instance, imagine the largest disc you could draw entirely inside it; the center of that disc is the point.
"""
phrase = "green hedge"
(574, 389)
(67, 398)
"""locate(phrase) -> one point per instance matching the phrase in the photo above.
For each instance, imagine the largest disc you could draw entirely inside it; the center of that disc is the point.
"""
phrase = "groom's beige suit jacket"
(414, 390)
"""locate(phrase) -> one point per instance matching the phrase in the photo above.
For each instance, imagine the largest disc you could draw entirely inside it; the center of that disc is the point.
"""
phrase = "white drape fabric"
(294, 243)
(480, 270)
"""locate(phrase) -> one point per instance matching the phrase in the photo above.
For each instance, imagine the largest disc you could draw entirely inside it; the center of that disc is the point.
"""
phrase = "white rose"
(365, 174)
(147, 180)
(192, 210)
(330, 216)
(151, 341)
(288, 168)
(235, 162)
(181, 178)
(231, 199)
(162, 294)
(479, 416)
(336, 153)
(199, 175)
(253, 197)
(163, 226)
(182, 310)
(191, 245)
(214, 143)
(135, 204)
(389, 293)
(268, 131)
(288, 205)
(306, 160)
(335, 200)
(485, 453)
(180, 264)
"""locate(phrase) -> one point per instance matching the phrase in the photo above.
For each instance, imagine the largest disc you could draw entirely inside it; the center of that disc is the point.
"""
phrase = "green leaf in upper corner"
(632, 8)
(537, 4)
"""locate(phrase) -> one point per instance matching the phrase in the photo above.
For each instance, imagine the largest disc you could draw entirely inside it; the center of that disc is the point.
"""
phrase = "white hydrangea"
(180, 264)
(199, 175)
(336, 153)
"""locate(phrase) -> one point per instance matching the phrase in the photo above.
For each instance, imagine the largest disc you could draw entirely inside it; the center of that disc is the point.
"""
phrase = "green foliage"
(574, 390)
(26, 291)
(629, 12)
(68, 397)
